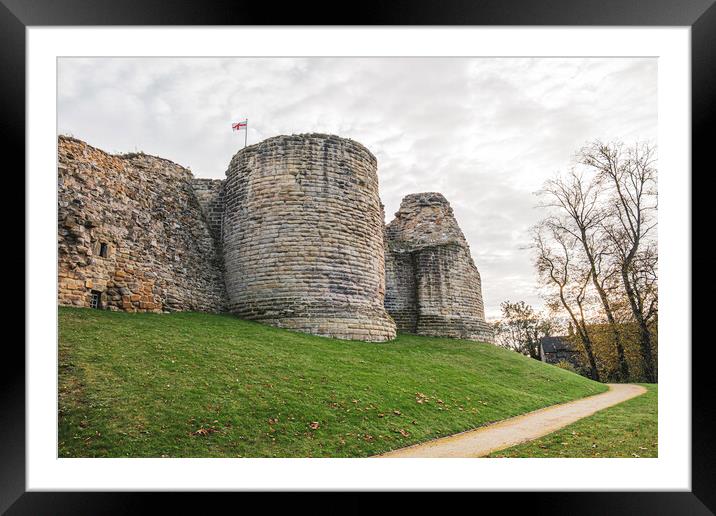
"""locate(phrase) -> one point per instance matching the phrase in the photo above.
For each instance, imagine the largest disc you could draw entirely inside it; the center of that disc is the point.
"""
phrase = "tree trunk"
(586, 340)
(621, 357)
(583, 335)
(534, 353)
(647, 359)
(533, 346)
(587, 343)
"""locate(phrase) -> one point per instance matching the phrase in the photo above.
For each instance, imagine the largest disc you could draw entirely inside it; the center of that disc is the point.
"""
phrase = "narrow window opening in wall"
(103, 250)
(96, 300)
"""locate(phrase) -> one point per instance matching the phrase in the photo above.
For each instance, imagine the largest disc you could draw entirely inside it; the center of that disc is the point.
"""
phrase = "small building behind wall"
(553, 350)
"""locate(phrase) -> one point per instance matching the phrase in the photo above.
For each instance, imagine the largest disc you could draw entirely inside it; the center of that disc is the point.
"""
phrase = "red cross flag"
(244, 124)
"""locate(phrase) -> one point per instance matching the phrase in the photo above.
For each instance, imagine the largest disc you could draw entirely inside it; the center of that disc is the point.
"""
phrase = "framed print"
(425, 256)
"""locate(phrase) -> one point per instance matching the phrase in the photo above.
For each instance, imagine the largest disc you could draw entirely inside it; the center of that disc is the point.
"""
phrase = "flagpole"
(246, 133)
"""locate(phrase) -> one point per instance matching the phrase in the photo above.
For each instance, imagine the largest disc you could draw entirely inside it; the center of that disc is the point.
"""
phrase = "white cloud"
(485, 132)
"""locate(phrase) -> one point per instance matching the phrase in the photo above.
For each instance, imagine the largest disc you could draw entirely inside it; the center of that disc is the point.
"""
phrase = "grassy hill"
(200, 385)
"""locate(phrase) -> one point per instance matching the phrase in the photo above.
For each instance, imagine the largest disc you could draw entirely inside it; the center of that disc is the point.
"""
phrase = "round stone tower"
(303, 237)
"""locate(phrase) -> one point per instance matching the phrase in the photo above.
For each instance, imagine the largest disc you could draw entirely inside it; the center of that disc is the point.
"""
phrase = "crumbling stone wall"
(210, 194)
(432, 285)
(293, 237)
(303, 237)
(130, 229)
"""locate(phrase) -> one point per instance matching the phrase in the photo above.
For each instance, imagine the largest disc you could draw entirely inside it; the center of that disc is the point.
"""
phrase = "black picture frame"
(700, 15)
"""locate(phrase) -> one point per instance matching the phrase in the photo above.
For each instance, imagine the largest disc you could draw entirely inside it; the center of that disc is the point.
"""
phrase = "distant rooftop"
(555, 344)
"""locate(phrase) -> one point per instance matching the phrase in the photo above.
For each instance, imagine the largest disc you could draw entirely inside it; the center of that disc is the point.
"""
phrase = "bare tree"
(554, 252)
(521, 328)
(581, 214)
(645, 281)
(630, 175)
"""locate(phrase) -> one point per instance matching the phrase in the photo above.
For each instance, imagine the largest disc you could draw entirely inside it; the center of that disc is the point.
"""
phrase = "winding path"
(516, 430)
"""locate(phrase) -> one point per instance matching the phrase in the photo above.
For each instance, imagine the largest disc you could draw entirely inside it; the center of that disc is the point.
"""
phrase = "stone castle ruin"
(293, 237)
(432, 284)
(302, 237)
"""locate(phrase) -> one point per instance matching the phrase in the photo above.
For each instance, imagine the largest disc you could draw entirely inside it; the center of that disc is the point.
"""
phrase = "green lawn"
(199, 385)
(625, 430)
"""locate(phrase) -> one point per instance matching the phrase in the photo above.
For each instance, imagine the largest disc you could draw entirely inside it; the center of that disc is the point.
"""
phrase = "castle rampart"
(293, 237)
(303, 237)
(131, 235)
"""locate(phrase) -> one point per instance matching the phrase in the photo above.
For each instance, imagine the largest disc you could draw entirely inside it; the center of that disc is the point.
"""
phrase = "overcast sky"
(486, 132)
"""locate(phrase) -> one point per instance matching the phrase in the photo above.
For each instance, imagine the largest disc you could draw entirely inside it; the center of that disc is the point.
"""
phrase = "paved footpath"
(510, 432)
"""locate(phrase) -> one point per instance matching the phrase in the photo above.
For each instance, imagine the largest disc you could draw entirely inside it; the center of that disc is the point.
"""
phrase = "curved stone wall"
(303, 237)
(433, 287)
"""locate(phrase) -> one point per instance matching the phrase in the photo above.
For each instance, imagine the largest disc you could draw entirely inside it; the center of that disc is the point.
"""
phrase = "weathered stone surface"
(210, 194)
(160, 254)
(303, 237)
(293, 237)
(432, 285)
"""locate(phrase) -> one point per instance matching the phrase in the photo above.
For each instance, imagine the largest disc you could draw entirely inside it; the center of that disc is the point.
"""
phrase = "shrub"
(563, 364)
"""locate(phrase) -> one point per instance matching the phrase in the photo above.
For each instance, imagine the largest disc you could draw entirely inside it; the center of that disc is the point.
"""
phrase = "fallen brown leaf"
(204, 431)
(420, 397)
